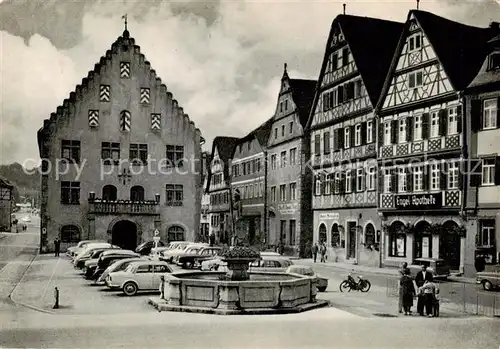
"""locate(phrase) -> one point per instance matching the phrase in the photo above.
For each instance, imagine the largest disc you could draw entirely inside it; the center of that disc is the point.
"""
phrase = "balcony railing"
(442, 143)
(147, 207)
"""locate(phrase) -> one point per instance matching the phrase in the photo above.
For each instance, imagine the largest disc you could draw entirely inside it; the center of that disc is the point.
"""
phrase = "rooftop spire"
(285, 73)
(124, 17)
(344, 5)
(418, 4)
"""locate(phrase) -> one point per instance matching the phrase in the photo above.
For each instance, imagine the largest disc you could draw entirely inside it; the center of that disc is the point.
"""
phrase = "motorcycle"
(351, 284)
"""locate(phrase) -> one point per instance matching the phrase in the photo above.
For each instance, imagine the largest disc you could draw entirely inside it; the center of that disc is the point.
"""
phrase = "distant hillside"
(26, 184)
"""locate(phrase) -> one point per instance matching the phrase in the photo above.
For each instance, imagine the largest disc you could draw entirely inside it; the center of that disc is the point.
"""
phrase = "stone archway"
(322, 233)
(449, 244)
(422, 240)
(397, 239)
(124, 234)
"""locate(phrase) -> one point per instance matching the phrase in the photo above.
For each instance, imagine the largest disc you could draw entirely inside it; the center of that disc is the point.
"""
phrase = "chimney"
(495, 28)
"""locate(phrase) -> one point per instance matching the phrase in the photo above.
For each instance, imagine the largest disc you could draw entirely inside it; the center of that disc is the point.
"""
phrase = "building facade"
(221, 218)
(289, 175)
(205, 200)
(248, 180)
(482, 202)
(421, 139)
(343, 137)
(120, 158)
(6, 204)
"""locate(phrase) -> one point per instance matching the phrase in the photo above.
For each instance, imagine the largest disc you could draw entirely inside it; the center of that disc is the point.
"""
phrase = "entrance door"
(449, 245)
(124, 234)
(351, 248)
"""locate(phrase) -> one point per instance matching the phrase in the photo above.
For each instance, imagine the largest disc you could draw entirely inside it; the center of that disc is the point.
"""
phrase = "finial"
(286, 65)
(125, 18)
(344, 5)
(418, 4)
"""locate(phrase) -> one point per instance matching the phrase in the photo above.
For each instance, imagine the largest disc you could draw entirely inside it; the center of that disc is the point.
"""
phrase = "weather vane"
(125, 18)
(418, 3)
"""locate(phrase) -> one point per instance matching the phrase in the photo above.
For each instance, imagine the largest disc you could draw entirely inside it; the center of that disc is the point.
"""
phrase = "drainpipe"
(465, 153)
(265, 217)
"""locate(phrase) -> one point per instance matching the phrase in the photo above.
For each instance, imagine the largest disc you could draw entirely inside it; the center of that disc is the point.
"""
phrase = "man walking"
(322, 251)
(315, 251)
(57, 247)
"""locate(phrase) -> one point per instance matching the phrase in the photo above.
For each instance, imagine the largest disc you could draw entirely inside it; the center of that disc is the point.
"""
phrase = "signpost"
(156, 239)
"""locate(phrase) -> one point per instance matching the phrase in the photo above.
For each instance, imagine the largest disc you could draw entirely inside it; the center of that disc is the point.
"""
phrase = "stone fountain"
(238, 291)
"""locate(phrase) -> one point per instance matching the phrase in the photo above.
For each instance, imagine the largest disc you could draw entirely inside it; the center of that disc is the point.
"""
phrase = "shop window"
(322, 233)
(397, 241)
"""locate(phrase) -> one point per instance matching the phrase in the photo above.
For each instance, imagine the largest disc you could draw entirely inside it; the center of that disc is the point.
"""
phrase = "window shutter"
(317, 145)
(353, 181)
(442, 122)
(323, 184)
(409, 180)
(476, 115)
(425, 177)
(335, 140)
(341, 138)
(363, 133)
(342, 183)
(394, 182)
(315, 185)
(443, 177)
(409, 129)
(394, 131)
(352, 136)
(425, 126)
(380, 133)
(497, 170)
(459, 119)
(374, 129)
(498, 112)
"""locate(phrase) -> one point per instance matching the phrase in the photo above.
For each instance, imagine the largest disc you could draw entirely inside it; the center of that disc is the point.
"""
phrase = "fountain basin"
(263, 293)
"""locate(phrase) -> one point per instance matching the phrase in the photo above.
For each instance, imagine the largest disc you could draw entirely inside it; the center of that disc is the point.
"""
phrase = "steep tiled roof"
(261, 133)
(488, 76)
(225, 148)
(303, 92)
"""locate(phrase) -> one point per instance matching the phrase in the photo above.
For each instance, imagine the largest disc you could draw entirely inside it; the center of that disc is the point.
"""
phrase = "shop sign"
(335, 216)
(288, 208)
(419, 201)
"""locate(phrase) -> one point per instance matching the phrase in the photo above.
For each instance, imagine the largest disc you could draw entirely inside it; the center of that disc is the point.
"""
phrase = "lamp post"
(156, 239)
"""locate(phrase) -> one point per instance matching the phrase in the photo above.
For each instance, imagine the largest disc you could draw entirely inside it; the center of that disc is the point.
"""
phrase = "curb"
(11, 294)
(379, 271)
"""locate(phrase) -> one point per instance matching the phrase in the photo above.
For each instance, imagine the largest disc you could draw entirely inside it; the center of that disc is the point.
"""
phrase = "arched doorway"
(449, 244)
(322, 233)
(369, 235)
(124, 234)
(422, 245)
(137, 193)
(109, 193)
(335, 242)
(397, 240)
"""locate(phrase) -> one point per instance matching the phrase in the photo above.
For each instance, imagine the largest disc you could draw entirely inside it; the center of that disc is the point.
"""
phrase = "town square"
(250, 174)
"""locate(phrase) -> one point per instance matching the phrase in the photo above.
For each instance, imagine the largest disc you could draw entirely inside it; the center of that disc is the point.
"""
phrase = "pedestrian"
(315, 251)
(322, 251)
(211, 238)
(420, 279)
(428, 291)
(407, 291)
(480, 263)
(57, 247)
(402, 272)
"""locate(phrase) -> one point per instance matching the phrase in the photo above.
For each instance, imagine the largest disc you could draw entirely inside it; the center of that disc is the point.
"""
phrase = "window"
(293, 156)
(336, 183)
(358, 88)
(418, 178)
(335, 235)
(125, 120)
(70, 193)
(273, 194)
(387, 181)
(105, 93)
(494, 62)
(293, 226)
(453, 175)
(387, 133)
(317, 186)
(175, 194)
(282, 130)
(273, 162)
(326, 143)
(414, 42)
(452, 121)
(397, 245)
(70, 234)
(293, 191)
(257, 164)
(175, 155)
(317, 145)
(347, 137)
(402, 185)
(109, 193)
(415, 79)
(486, 238)
(370, 179)
(234, 170)
(275, 133)
(369, 131)
(345, 57)
(357, 135)
(70, 150)
(402, 130)
(145, 95)
(348, 181)
(359, 180)
(334, 62)
(434, 124)
(286, 104)
(125, 70)
(435, 176)
(138, 154)
(283, 159)
(369, 234)
(283, 192)
(261, 189)
(327, 185)
(417, 127)
(490, 114)
(176, 233)
(290, 127)
(137, 193)
(110, 152)
(488, 172)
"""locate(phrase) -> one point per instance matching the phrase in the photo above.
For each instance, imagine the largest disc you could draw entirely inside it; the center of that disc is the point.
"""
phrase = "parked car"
(74, 250)
(86, 254)
(169, 255)
(489, 279)
(212, 264)
(107, 258)
(192, 258)
(145, 248)
(271, 264)
(120, 265)
(138, 276)
(321, 282)
(438, 267)
(192, 249)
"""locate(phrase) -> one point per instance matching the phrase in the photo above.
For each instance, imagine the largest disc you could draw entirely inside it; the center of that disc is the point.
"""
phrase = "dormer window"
(494, 61)
(414, 42)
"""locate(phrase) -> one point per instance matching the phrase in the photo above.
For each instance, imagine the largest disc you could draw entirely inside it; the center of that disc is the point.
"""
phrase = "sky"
(222, 60)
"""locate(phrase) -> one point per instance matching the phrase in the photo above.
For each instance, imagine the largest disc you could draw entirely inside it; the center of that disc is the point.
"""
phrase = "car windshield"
(193, 250)
(129, 268)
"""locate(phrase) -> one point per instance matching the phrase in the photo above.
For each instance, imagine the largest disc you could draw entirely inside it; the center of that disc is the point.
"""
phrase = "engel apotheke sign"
(418, 201)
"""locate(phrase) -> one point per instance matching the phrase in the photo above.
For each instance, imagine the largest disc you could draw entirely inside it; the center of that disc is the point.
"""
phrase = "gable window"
(414, 42)
(402, 184)
(326, 143)
(357, 135)
(387, 181)
(293, 191)
(125, 70)
(402, 130)
(145, 95)
(370, 179)
(417, 127)
(387, 133)
(494, 61)
(434, 124)
(110, 152)
(488, 172)
(345, 57)
(283, 159)
(275, 133)
(329, 100)
(334, 62)
(282, 130)
(70, 150)
(175, 194)
(453, 175)
(293, 156)
(290, 127)
(418, 178)
(282, 192)
(369, 131)
(175, 155)
(138, 154)
(490, 114)
(347, 137)
(273, 194)
(70, 193)
(415, 79)
(435, 176)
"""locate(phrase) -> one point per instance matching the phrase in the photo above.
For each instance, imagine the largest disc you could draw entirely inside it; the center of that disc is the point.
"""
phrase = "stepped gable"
(124, 42)
(303, 92)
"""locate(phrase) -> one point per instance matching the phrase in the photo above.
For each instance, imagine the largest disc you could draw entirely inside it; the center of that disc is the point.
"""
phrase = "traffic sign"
(156, 238)
(157, 233)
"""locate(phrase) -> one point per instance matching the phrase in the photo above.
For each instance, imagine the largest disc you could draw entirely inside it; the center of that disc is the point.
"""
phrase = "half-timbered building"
(219, 184)
(342, 124)
(289, 175)
(421, 143)
(5, 205)
(482, 201)
(120, 158)
(205, 199)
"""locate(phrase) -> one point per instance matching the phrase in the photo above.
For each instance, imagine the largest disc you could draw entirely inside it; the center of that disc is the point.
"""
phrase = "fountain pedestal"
(238, 268)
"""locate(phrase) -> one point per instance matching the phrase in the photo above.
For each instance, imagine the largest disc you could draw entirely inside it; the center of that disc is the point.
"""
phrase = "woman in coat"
(407, 290)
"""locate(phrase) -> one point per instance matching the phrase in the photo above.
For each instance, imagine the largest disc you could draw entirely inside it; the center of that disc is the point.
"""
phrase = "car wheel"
(188, 265)
(487, 285)
(130, 289)
(322, 289)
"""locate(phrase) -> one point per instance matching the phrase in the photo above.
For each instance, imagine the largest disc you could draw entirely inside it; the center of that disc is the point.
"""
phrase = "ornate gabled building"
(248, 180)
(205, 199)
(343, 146)
(288, 172)
(421, 139)
(120, 158)
(482, 201)
(219, 188)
